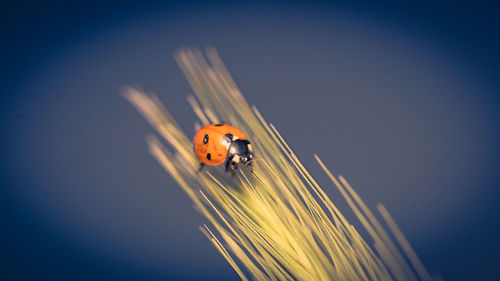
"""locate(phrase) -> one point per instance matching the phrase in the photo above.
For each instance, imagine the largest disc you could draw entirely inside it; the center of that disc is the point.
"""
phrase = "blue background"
(402, 99)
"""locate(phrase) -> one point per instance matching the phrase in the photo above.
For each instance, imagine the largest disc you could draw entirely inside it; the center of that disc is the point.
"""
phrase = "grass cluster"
(276, 223)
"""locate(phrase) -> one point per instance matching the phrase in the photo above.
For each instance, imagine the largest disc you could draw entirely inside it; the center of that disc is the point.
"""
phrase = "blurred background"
(401, 99)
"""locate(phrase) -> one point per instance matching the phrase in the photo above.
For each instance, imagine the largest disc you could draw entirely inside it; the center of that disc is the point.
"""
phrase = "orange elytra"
(220, 143)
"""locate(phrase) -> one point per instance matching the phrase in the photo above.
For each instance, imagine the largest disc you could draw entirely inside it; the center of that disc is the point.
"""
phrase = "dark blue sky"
(404, 97)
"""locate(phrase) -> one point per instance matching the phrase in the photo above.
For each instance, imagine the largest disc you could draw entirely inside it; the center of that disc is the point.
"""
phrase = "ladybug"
(220, 143)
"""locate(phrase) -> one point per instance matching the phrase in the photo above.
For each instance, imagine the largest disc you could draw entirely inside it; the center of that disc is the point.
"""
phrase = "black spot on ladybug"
(209, 157)
(205, 139)
(219, 124)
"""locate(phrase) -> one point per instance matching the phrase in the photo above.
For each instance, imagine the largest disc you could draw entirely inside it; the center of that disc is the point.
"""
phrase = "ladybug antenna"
(252, 160)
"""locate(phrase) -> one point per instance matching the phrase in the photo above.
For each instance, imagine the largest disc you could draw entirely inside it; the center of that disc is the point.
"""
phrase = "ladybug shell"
(211, 145)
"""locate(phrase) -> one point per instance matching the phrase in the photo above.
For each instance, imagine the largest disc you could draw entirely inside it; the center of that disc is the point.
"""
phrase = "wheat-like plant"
(275, 223)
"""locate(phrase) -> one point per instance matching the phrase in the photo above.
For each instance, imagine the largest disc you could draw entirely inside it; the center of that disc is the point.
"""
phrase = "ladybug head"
(240, 151)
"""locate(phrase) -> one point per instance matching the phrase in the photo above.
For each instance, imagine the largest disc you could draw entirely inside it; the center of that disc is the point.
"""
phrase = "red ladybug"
(219, 143)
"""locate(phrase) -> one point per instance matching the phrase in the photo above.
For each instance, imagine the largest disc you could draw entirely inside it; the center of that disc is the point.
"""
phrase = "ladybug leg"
(228, 162)
(201, 167)
(231, 167)
(234, 165)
